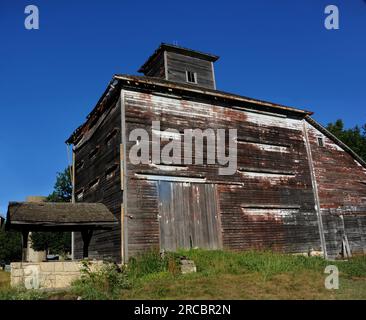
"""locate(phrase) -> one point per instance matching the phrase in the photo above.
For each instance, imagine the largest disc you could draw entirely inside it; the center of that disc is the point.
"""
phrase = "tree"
(51, 242)
(10, 249)
(355, 137)
(56, 242)
(63, 187)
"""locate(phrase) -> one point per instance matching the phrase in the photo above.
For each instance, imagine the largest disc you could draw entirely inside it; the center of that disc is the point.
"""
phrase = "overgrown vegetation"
(4, 279)
(224, 275)
(220, 275)
(268, 263)
(10, 249)
(8, 293)
(104, 283)
(111, 280)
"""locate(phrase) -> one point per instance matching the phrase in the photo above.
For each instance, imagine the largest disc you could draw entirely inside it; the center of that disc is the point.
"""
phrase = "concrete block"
(59, 266)
(15, 265)
(64, 281)
(47, 266)
(55, 274)
(47, 281)
(16, 281)
(72, 266)
(187, 266)
(16, 272)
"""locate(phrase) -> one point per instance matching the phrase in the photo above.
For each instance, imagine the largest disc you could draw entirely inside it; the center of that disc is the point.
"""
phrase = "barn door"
(188, 216)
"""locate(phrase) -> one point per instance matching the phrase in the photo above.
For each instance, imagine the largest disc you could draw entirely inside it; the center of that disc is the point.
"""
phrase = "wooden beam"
(25, 234)
(315, 190)
(86, 235)
(122, 166)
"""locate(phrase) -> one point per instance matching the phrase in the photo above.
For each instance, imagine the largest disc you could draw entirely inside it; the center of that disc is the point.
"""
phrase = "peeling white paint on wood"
(266, 147)
(267, 120)
(276, 213)
(167, 167)
(167, 134)
(266, 175)
(169, 178)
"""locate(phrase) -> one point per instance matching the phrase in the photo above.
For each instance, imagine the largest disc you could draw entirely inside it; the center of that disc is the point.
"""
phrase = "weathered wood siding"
(97, 176)
(157, 67)
(267, 203)
(341, 182)
(188, 216)
(177, 64)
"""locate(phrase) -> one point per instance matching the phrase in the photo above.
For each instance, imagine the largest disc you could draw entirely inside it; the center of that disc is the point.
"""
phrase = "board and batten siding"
(268, 203)
(283, 179)
(341, 182)
(157, 67)
(178, 64)
(97, 177)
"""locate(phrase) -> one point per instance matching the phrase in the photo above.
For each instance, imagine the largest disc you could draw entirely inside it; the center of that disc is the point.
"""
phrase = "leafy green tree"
(354, 137)
(63, 187)
(51, 242)
(56, 242)
(10, 246)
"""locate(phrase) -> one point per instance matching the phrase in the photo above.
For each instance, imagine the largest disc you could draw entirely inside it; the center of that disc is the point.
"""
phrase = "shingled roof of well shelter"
(58, 215)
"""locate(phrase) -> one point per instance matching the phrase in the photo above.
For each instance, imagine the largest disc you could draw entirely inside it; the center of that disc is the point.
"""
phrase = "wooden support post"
(122, 166)
(25, 234)
(86, 235)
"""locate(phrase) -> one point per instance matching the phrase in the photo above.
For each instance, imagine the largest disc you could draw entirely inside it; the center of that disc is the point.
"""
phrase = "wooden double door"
(188, 216)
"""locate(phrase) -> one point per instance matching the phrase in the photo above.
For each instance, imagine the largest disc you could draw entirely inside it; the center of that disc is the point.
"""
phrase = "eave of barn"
(156, 85)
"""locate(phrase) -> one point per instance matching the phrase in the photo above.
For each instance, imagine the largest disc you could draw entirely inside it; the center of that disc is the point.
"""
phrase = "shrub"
(21, 293)
(104, 283)
(153, 262)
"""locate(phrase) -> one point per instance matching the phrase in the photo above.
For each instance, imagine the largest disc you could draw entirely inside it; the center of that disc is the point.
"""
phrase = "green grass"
(4, 279)
(220, 275)
(246, 275)
(268, 263)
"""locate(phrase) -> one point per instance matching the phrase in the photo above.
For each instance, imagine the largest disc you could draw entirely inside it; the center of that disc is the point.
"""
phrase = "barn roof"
(65, 216)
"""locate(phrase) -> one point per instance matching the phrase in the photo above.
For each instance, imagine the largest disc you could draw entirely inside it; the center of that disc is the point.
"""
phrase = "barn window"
(94, 152)
(191, 76)
(321, 141)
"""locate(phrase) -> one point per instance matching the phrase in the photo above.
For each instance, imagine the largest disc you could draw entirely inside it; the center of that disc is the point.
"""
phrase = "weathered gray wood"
(188, 216)
(106, 243)
(178, 64)
(270, 204)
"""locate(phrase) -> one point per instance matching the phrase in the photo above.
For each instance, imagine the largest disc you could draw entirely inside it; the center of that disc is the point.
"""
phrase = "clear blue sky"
(273, 50)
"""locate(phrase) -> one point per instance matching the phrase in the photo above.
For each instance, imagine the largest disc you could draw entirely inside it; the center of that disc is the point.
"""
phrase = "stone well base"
(47, 275)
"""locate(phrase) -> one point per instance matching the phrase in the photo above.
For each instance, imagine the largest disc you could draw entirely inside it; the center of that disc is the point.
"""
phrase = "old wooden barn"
(296, 189)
